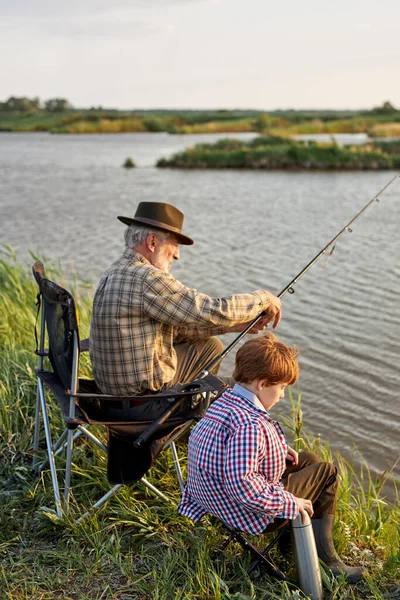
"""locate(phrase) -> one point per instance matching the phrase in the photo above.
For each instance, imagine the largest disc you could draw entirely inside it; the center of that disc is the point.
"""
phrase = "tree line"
(31, 105)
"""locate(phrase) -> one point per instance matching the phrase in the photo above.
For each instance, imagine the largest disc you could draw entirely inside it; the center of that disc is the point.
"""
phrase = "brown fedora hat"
(160, 216)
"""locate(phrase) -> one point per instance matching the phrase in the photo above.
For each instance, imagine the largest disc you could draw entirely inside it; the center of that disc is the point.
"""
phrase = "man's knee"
(214, 345)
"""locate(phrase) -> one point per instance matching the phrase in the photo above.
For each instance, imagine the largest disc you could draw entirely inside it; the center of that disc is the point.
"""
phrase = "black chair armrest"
(143, 437)
(208, 384)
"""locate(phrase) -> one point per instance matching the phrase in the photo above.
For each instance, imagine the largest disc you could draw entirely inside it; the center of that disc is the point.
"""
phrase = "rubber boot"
(323, 529)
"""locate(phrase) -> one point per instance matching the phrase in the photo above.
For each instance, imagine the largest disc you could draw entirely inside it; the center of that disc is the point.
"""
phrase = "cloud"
(38, 9)
(118, 23)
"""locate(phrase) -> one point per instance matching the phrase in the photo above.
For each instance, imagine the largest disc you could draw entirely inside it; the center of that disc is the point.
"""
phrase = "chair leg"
(67, 483)
(37, 430)
(260, 558)
(100, 502)
(224, 546)
(58, 448)
(267, 550)
(92, 437)
(153, 489)
(50, 451)
(177, 466)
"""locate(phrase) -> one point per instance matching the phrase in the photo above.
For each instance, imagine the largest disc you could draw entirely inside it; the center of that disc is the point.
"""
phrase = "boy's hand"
(292, 456)
(305, 508)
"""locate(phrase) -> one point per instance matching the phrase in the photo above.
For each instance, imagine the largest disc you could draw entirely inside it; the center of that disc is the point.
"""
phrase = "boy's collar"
(245, 393)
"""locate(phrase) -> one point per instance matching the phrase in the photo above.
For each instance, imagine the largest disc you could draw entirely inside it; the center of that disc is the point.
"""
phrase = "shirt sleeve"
(191, 333)
(244, 481)
(167, 300)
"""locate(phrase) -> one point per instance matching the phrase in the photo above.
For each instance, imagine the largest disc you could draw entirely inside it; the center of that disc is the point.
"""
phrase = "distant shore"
(380, 122)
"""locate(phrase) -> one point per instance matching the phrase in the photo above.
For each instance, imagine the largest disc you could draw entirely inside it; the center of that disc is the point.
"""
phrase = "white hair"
(136, 234)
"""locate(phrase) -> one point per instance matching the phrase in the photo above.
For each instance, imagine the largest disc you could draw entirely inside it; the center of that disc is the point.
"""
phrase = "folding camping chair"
(82, 403)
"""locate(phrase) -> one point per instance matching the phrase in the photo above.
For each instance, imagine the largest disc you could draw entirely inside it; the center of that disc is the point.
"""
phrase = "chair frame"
(77, 426)
(260, 558)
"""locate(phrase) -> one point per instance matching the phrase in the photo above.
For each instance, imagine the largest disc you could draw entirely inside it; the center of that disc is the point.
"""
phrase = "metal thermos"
(307, 563)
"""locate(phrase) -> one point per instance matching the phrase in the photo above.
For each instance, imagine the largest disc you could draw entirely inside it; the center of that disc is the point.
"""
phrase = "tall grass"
(138, 547)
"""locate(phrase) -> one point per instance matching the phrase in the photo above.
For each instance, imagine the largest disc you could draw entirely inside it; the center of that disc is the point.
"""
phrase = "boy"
(240, 467)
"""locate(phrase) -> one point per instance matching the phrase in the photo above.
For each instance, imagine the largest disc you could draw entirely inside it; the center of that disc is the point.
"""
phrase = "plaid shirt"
(237, 455)
(139, 312)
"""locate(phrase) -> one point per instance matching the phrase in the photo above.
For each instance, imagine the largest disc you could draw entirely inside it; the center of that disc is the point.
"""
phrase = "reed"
(137, 547)
(354, 125)
(235, 126)
(385, 130)
(128, 125)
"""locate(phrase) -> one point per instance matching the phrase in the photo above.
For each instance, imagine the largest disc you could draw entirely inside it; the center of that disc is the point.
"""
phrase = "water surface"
(60, 195)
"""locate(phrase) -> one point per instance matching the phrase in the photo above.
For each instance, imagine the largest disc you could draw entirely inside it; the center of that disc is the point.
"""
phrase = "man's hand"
(305, 508)
(259, 326)
(274, 311)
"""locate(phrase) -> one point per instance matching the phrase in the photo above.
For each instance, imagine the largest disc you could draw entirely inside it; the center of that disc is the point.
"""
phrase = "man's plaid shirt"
(140, 311)
(236, 458)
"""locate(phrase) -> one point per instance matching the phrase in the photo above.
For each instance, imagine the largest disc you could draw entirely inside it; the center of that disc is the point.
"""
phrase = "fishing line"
(329, 255)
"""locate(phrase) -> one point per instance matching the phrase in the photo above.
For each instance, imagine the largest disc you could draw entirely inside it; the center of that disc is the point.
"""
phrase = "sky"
(202, 53)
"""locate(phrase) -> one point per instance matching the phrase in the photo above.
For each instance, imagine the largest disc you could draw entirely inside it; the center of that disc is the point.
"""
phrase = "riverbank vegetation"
(136, 547)
(57, 115)
(272, 152)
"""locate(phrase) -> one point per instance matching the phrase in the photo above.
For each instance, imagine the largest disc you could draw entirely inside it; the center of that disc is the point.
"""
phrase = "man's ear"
(151, 242)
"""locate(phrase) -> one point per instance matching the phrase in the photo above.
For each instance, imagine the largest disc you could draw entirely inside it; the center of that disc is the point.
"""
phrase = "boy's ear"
(263, 383)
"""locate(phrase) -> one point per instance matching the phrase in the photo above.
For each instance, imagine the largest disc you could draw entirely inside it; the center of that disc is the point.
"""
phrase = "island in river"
(272, 152)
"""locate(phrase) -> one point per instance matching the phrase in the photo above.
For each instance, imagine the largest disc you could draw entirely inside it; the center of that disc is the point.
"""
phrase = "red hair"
(266, 357)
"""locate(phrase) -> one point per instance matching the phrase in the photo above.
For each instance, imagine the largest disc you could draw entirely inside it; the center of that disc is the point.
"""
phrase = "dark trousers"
(313, 479)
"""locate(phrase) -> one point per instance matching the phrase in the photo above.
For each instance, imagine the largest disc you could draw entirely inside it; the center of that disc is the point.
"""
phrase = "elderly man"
(148, 330)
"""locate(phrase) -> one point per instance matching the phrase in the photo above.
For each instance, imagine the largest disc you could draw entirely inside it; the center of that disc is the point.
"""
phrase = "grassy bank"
(380, 122)
(103, 121)
(138, 548)
(281, 153)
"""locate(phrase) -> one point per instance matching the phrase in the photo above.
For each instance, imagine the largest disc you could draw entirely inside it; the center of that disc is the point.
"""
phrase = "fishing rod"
(288, 289)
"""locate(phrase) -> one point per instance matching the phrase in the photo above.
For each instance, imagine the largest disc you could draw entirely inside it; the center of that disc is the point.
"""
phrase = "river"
(60, 195)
